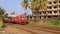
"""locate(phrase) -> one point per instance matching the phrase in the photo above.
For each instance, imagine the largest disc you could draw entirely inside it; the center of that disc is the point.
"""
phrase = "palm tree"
(2, 11)
(25, 5)
(36, 5)
(39, 4)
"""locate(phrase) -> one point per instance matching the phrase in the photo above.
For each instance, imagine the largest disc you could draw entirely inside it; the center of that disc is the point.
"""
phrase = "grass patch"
(44, 24)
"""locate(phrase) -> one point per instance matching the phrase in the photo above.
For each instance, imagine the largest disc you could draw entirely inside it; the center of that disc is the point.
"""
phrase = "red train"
(20, 19)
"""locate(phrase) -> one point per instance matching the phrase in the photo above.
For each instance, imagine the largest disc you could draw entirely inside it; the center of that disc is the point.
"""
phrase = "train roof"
(14, 15)
(11, 15)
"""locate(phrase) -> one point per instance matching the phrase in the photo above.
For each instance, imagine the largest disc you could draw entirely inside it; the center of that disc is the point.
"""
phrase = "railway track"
(32, 28)
(13, 25)
(47, 30)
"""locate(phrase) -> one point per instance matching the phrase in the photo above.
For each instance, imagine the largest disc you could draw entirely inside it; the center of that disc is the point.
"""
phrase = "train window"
(22, 17)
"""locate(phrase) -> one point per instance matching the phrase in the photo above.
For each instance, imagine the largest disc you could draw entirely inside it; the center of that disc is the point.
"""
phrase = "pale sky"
(13, 6)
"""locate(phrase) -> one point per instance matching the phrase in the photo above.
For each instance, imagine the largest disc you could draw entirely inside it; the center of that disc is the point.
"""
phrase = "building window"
(55, 16)
(59, 6)
(59, 1)
(50, 12)
(55, 2)
(30, 17)
(49, 16)
(59, 15)
(59, 11)
(44, 12)
(44, 16)
(39, 12)
(35, 13)
(40, 16)
(49, 7)
(55, 7)
(50, 2)
(35, 16)
(55, 11)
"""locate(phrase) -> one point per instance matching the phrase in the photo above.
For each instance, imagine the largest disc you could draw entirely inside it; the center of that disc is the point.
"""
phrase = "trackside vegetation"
(55, 23)
(1, 23)
(2, 11)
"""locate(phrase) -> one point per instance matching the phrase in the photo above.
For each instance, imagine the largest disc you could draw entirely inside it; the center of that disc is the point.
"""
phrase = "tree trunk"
(1, 22)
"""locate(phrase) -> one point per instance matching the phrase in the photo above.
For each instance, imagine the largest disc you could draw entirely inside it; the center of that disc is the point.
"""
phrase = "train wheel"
(22, 23)
(14, 23)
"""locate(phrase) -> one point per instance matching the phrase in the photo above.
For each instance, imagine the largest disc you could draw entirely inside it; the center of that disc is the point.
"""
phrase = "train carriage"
(20, 19)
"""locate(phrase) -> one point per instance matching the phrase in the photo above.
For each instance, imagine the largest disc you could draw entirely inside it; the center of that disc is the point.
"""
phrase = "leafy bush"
(1, 25)
(39, 24)
(56, 22)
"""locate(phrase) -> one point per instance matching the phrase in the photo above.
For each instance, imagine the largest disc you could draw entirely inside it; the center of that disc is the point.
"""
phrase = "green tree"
(2, 11)
(38, 4)
(35, 5)
(25, 5)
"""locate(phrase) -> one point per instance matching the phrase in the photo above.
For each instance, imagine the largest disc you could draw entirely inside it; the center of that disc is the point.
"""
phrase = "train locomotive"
(19, 19)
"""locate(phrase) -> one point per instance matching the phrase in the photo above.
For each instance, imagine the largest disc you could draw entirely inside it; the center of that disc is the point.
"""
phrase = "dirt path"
(32, 30)
(12, 30)
(22, 29)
